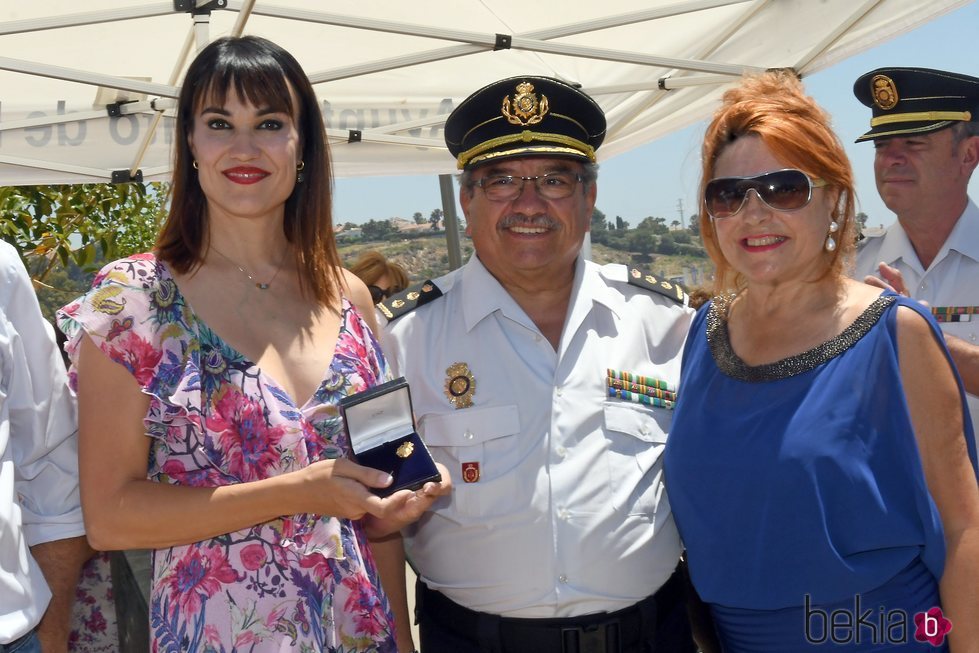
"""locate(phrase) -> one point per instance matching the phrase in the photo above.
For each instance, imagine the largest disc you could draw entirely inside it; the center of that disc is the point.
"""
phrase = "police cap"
(916, 100)
(525, 116)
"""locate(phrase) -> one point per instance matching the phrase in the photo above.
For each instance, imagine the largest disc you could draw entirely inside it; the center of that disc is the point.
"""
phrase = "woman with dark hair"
(220, 358)
(821, 463)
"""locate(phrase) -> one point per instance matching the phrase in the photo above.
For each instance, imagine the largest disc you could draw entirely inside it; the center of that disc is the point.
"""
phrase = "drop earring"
(300, 177)
(830, 241)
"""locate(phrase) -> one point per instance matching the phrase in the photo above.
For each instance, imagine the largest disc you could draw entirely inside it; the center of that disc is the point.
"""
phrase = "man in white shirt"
(545, 384)
(42, 543)
(926, 138)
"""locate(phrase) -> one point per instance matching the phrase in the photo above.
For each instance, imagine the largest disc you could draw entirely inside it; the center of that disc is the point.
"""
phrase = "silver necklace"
(258, 284)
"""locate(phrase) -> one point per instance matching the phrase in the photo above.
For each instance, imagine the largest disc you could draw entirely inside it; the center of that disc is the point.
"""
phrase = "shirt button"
(564, 514)
(469, 435)
(559, 392)
(561, 451)
(563, 578)
(644, 429)
(923, 286)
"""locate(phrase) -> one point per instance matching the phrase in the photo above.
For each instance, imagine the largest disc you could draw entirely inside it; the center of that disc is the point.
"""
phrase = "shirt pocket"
(635, 437)
(484, 439)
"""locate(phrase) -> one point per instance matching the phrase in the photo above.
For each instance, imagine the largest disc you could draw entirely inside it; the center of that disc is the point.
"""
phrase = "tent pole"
(451, 222)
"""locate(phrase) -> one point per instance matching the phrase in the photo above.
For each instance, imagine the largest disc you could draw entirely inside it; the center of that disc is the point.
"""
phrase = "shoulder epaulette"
(409, 299)
(646, 280)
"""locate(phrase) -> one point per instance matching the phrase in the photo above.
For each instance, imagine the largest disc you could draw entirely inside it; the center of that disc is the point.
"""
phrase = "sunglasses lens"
(724, 196)
(783, 190)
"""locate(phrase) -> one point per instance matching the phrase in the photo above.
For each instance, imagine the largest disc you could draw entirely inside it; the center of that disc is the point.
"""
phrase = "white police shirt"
(952, 279)
(558, 507)
(38, 450)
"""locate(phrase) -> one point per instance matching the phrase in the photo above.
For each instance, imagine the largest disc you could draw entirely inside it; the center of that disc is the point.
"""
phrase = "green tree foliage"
(667, 245)
(419, 218)
(598, 222)
(654, 225)
(377, 229)
(80, 225)
(435, 219)
(65, 233)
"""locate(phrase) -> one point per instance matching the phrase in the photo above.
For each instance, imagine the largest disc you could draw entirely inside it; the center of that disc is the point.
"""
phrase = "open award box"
(381, 430)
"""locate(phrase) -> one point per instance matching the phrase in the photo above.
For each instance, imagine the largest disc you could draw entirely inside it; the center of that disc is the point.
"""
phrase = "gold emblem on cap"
(405, 450)
(884, 91)
(525, 108)
(427, 287)
(397, 303)
(459, 385)
(412, 296)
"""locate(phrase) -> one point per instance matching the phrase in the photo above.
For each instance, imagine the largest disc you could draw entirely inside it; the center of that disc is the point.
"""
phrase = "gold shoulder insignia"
(409, 299)
(646, 280)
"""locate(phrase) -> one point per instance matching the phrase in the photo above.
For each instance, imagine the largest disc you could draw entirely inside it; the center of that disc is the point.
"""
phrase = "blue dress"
(799, 492)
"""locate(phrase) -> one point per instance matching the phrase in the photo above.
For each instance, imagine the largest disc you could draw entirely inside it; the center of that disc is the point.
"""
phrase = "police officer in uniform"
(925, 131)
(545, 383)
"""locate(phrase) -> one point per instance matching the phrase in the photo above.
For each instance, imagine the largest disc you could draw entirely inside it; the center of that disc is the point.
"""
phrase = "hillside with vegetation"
(427, 257)
(66, 233)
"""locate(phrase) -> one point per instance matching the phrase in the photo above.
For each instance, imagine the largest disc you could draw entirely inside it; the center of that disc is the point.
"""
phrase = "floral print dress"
(298, 583)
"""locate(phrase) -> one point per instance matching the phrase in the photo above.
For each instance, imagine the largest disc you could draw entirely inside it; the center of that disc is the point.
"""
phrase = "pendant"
(262, 286)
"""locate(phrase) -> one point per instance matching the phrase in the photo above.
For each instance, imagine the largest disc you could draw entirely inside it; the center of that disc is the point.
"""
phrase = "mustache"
(515, 219)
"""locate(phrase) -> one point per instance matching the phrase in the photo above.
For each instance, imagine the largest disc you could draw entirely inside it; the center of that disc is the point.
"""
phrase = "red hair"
(774, 107)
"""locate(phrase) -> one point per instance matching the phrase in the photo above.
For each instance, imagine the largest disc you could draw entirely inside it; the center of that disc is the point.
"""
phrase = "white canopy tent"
(88, 96)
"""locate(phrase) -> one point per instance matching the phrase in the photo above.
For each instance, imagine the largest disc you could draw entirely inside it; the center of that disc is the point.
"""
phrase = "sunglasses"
(379, 294)
(782, 190)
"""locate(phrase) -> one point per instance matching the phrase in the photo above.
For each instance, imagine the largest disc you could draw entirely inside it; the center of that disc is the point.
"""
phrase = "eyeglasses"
(782, 190)
(506, 188)
(379, 294)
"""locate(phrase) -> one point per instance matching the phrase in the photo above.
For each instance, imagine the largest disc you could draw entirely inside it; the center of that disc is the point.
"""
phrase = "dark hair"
(263, 74)
(774, 107)
(964, 130)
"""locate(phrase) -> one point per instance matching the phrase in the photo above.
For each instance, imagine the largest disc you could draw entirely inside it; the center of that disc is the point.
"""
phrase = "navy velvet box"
(381, 430)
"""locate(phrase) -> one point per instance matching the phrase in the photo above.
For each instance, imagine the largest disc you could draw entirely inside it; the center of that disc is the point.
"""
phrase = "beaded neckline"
(731, 364)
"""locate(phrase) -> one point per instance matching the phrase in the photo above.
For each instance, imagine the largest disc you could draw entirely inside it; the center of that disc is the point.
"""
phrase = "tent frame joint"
(196, 7)
(355, 136)
(114, 110)
(124, 176)
(785, 69)
(503, 42)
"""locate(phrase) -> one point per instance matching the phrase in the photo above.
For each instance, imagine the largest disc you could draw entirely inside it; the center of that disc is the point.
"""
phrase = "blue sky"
(655, 178)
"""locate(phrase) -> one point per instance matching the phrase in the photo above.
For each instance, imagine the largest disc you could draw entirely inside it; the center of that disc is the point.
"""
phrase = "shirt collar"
(484, 295)
(964, 239)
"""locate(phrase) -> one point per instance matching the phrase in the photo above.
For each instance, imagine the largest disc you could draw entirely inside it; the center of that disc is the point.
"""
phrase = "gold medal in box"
(381, 430)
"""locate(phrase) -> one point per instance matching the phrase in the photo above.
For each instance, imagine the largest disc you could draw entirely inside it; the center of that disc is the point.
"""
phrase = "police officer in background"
(42, 536)
(545, 383)
(925, 130)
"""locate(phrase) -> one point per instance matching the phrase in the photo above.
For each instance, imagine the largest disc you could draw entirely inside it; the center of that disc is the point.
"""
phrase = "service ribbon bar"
(954, 313)
(639, 398)
(641, 389)
(649, 381)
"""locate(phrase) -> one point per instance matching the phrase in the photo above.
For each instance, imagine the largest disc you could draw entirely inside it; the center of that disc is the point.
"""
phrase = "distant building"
(342, 235)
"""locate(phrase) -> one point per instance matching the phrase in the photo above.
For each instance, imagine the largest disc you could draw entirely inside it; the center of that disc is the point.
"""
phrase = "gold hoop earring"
(300, 166)
(194, 163)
